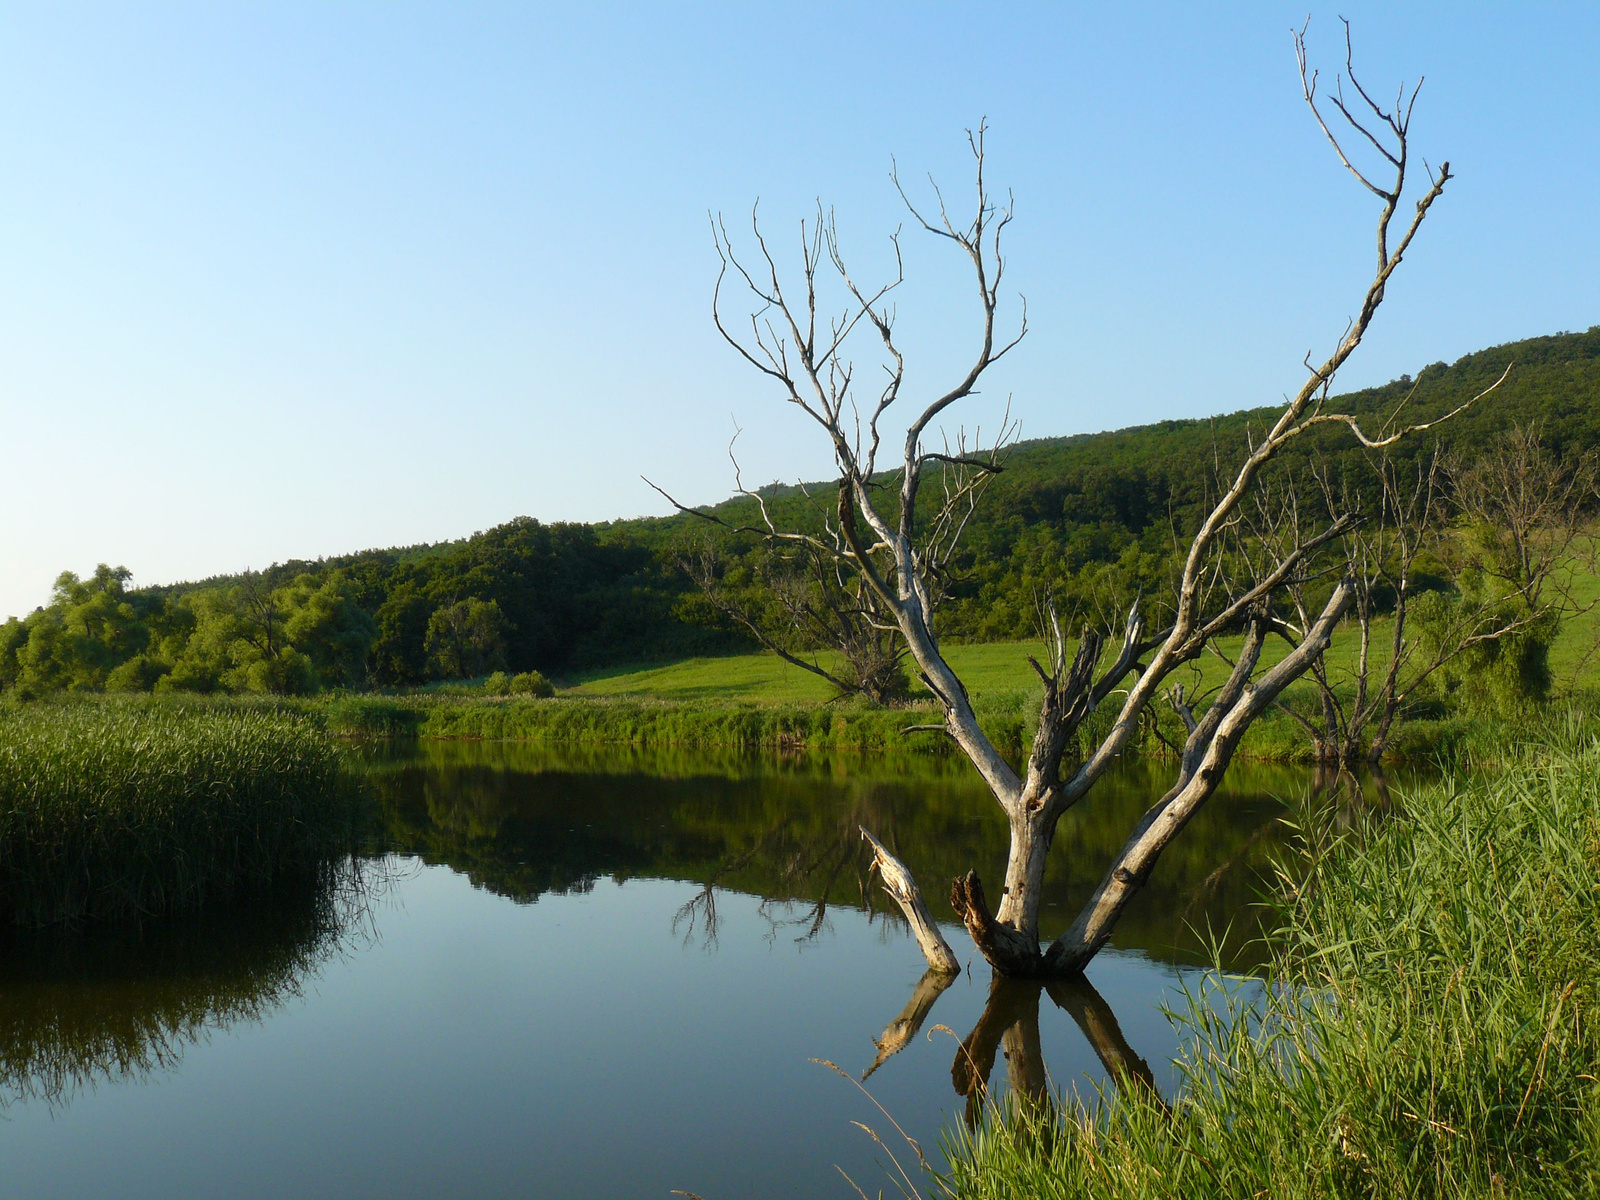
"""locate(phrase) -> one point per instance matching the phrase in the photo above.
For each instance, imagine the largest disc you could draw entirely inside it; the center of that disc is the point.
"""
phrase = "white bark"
(902, 889)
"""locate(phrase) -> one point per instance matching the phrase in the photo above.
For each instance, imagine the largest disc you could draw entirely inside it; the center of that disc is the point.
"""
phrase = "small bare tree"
(898, 541)
(1533, 517)
(801, 603)
(1356, 707)
(1529, 545)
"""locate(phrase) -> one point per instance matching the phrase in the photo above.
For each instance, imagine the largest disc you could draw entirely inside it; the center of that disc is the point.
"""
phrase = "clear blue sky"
(290, 280)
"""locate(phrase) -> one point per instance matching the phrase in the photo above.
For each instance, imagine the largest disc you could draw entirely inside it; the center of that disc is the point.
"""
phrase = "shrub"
(498, 684)
(139, 674)
(531, 683)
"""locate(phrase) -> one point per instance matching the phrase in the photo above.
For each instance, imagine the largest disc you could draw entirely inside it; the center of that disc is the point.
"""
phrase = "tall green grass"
(124, 809)
(629, 722)
(1428, 1028)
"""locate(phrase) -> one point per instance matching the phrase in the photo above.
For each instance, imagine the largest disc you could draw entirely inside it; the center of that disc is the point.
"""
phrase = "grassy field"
(998, 668)
(1428, 1028)
(757, 700)
(766, 678)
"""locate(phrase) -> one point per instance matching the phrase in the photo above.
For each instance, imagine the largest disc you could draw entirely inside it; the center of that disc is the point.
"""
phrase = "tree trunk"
(1009, 938)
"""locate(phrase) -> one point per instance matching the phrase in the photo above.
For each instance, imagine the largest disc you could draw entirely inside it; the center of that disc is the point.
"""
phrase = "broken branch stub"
(902, 889)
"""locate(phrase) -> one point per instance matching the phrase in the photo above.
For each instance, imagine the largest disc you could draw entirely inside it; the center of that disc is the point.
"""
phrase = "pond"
(598, 974)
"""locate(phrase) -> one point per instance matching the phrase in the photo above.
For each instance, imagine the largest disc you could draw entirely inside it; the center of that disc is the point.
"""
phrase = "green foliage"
(89, 628)
(466, 638)
(524, 683)
(118, 809)
(141, 673)
(1427, 1028)
(531, 683)
(329, 628)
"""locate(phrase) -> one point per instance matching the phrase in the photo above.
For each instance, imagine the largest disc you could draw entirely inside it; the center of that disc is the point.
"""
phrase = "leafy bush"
(531, 683)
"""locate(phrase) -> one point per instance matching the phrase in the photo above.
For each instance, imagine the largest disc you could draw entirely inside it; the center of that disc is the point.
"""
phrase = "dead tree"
(1533, 516)
(1529, 546)
(1355, 707)
(802, 603)
(899, 541)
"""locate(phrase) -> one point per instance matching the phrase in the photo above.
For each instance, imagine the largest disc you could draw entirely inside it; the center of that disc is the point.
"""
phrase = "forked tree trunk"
(1009, 936)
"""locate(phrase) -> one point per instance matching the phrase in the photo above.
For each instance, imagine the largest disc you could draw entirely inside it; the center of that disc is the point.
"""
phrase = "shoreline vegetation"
(129, 810)
(817, 727)
(1426, 1027)
(1450, 740)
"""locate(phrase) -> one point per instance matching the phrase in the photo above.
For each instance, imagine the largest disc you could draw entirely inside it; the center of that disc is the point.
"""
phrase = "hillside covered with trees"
(1080, 517)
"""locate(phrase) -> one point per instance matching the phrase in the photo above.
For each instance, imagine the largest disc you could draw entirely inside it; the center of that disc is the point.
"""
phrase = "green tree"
(240, 643)
(399, 652)
(325, 624)
(467, 638)
(89, 627)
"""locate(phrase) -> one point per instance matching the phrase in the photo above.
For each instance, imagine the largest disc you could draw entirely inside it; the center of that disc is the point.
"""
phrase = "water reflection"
(901, 1031)
(524, 821)
(496, 1040)
(115, 1003)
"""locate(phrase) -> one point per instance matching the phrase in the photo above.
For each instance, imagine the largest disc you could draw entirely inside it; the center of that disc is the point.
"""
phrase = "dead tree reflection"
(1086, 1006)
(1011, 1019)
(806, 871)
(1010, 1024)
(699, 912)
(805, 865)
(1351, 792)
(901, 1031)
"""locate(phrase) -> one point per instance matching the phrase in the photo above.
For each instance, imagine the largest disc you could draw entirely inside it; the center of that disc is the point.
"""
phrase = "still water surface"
(594, 974)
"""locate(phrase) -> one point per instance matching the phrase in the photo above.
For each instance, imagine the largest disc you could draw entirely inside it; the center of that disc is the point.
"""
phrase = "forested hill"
(1062, 506)
(557, 597)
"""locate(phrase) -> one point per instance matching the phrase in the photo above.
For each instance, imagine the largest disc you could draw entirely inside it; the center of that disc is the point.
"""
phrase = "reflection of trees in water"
(808, 871)
(109, 1003)
(523, 821)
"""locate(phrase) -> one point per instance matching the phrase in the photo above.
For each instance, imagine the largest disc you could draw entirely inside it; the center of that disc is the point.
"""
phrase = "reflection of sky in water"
(567, 1048)
(582, 1045)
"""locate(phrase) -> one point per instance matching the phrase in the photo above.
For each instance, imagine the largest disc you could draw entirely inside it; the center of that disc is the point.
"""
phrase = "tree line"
(1088, 520)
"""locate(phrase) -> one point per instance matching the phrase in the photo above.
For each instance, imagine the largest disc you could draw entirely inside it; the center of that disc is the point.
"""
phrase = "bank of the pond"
(1009, 718)
(124, 809)
(1430, 1029)
(695, 725)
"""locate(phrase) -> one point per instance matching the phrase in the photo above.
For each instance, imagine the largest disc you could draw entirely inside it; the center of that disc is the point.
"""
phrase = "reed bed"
(128, 809)
(721, 724)
(1428, 1028)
